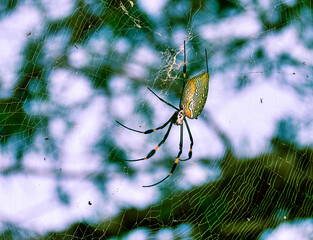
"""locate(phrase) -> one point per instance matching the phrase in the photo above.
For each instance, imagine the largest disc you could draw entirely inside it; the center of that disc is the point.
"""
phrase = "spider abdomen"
(195, 94)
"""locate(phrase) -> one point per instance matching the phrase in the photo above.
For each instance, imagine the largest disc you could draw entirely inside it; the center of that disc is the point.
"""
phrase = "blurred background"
(69, 69)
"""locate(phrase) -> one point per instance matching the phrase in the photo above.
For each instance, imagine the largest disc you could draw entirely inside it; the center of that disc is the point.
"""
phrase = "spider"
(192, 101)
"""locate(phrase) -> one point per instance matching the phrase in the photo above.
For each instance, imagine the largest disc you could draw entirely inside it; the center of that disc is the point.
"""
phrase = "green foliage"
(15, 121)
(237, 206)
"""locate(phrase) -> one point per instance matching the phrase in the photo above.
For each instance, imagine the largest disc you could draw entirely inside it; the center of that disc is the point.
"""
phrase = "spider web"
(69, 69)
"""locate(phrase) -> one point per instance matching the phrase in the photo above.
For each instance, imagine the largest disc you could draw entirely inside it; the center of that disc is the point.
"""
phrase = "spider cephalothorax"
(192, 102)
(180, 118)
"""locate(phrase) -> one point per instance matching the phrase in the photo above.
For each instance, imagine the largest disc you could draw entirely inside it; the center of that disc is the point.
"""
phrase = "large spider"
(192, 101)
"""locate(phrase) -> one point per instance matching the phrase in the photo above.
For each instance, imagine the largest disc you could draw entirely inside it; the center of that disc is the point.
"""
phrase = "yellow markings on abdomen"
(195, 94)
(190, 89)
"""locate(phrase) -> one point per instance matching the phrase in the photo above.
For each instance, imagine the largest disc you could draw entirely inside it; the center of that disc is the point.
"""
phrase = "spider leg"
(176, 161)
(152, 152)
(184, 75)
(184, 68)
(191, 142)
(206, 57)
(148, 131)
(163, 100)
